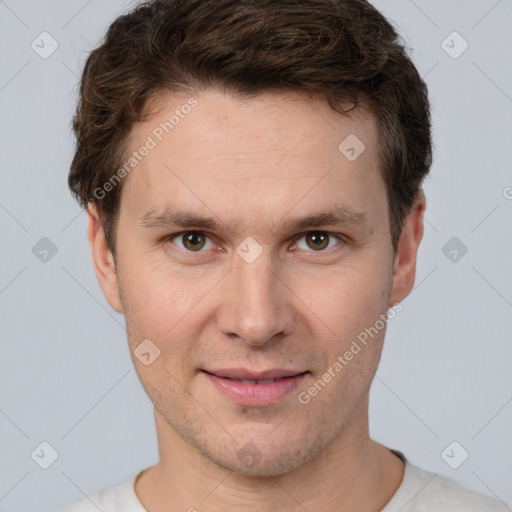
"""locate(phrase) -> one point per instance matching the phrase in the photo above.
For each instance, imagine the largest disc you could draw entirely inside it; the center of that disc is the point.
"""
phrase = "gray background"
(65, 372)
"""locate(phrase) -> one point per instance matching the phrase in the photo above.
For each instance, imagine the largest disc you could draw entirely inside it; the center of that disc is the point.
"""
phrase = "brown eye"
(318, 241)
(192, 241)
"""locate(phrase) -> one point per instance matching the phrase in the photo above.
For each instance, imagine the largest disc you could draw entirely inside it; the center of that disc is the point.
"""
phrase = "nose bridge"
(254, 308)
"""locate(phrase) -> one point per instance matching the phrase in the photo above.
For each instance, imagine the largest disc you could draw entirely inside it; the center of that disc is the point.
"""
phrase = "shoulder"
(117, 498)
(449, 495)
(424, 491)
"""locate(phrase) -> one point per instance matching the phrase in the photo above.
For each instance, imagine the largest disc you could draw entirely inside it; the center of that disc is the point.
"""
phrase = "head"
(300, 134)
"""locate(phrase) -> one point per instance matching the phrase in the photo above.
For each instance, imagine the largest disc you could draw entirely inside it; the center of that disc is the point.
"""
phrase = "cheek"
(347, 300)
(166, 306)
(160, 297)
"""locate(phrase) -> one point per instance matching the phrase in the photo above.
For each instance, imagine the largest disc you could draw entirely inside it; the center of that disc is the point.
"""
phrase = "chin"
(263, 457)
(260, 464)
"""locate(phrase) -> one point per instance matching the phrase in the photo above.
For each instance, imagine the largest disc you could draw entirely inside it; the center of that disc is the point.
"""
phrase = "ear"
(103, 259)
(404, 270)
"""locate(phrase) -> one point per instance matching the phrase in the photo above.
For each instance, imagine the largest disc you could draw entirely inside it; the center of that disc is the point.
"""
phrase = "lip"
(245, 374)
(229, 382)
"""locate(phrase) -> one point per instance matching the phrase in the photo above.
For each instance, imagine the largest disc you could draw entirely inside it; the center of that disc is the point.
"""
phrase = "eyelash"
(341, 239)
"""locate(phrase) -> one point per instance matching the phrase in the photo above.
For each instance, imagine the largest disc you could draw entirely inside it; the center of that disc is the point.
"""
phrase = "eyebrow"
(338, 216)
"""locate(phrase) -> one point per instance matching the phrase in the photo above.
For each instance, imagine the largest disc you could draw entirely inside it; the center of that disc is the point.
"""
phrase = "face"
(250, 247)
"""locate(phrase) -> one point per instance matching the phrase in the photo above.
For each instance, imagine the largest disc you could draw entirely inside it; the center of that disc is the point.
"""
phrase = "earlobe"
(404, 269)
(103, 260)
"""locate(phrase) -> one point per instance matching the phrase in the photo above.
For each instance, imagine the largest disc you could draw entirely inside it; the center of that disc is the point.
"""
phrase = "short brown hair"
(341, 50)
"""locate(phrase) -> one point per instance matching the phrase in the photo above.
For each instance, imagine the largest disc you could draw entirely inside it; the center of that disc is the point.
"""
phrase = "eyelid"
(341, 239)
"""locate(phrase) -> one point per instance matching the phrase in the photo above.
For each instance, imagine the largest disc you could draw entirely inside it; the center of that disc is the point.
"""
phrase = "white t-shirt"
(420, 491)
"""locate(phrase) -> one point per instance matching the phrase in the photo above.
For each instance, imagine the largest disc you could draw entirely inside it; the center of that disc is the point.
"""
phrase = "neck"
(352, 473)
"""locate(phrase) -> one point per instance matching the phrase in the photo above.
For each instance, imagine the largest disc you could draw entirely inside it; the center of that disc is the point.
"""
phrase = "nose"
(256, 304)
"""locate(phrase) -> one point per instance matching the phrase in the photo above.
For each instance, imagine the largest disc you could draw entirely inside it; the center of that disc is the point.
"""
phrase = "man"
(252, 172)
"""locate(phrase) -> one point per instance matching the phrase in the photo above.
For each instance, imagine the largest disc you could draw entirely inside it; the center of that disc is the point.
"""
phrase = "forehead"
(259, 154)
(273, 120)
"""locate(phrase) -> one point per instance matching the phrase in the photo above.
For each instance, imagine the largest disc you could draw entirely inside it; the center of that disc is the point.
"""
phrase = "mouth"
(249, 388)
(261, 381)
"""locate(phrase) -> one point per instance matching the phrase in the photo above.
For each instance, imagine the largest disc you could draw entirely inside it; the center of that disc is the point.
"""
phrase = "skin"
(249, 164)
